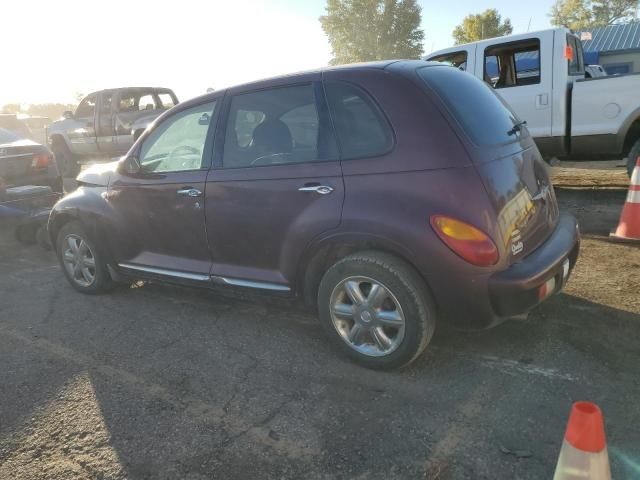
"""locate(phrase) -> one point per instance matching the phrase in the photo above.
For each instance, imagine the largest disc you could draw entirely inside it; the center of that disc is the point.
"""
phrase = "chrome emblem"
(516, 242)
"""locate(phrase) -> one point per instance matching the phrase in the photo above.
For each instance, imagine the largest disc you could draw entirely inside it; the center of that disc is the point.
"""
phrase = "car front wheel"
(81, 260)
(378, 309)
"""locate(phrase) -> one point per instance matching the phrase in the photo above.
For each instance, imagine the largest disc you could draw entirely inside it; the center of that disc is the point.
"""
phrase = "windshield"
(7, 137)
(480, 112)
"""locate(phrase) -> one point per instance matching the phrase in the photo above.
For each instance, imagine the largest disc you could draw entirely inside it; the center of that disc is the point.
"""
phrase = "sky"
(59, 49)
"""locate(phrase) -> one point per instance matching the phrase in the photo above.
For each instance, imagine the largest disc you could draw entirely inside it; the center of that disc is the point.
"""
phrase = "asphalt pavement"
(161, 382)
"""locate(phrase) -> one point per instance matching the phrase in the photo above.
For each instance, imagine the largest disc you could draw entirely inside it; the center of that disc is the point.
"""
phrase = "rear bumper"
(516, 290)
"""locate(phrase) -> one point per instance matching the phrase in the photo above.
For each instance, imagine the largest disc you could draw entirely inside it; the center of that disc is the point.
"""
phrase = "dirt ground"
(159, 382)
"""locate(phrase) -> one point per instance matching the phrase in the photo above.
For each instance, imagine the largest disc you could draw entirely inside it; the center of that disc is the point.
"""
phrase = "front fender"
(86, 205)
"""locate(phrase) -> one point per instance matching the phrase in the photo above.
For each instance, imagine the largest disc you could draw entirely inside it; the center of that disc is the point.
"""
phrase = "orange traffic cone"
(584, 450)
(629, 227)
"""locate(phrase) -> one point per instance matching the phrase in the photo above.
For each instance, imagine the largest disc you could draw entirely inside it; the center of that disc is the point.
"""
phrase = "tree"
(10, 108)
(586, 14)
(487, 24)
(365, 30)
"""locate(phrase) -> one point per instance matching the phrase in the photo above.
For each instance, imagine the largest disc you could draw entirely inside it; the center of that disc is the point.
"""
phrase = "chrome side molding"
(168, 273)
(238, 282)
(250, 284)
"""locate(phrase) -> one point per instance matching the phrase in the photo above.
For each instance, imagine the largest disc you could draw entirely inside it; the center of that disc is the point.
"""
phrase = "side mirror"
(67, 114)
(131, 164)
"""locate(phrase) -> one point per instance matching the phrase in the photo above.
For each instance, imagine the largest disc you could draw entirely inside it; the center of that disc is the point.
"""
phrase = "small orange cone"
(629, 226)
(584, 450)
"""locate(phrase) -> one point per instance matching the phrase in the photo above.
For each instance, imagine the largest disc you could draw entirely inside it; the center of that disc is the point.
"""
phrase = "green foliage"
(586, 14)
(487, 24)
(366, 30)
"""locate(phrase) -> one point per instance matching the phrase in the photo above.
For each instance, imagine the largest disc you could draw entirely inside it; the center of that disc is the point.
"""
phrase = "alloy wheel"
(367, 316)
(79, 261)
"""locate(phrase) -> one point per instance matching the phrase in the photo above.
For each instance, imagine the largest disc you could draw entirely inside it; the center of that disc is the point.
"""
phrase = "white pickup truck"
(541, 75)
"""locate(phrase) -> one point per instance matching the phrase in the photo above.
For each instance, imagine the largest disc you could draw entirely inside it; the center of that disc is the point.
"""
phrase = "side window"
(178, 143)
(146, 102)
(361, 129)
(512, 65)
(107, 98)
(127, 102)
(455, 59)
(574, 56)
(87, 107)
(273, 127)
(166, 100)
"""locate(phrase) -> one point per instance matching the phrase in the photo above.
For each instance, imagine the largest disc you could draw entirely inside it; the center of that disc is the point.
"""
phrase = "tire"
(405, 312)
(97, 280)
(27, 234)
(67, 161)
(634, 153)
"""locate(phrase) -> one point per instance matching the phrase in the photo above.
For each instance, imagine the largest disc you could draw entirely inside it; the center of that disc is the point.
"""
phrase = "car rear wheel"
(378, 309)
(81, 260)
(632, 159)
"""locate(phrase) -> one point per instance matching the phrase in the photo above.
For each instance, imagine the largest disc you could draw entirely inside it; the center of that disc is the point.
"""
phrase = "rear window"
(362, 130)
(483, 116)
(7, 137)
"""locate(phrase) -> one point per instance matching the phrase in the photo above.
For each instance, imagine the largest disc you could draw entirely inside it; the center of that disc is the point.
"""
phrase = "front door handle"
(321, 189)
(189, 192)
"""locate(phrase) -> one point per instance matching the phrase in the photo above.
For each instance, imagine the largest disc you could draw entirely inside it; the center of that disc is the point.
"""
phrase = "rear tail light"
(40, 160)
(465, 240)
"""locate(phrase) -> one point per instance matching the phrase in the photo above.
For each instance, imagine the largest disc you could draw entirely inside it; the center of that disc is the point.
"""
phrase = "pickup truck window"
(513, 64)
(146, 102)
(576, 62)
(87, 107)
(455, 59)
(166, 100)
(107, 99)
(482, 115)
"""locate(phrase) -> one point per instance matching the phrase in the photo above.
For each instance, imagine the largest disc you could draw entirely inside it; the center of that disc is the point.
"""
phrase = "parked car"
(106, 123)
(542, 76)
(388, 194)
(30, 184)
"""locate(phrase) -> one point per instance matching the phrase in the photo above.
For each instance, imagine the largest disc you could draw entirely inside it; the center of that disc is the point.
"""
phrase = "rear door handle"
(321, 189)
(189, 192)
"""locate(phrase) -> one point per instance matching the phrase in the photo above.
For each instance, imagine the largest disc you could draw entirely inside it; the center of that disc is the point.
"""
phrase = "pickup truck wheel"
(67, 161)
(632, 159)
(377, 309)
(81, 260)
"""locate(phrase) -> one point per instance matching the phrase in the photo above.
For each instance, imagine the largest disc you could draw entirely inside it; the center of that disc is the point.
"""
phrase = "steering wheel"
(267, 159)
(182, 149)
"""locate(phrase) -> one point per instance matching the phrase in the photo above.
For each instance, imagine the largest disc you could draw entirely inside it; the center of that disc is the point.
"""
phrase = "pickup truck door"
(83, 134)
(105, 133)
(132, 104)
(521, 73)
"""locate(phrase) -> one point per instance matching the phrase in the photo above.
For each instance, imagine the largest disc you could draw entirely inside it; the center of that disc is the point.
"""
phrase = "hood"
(98, 174)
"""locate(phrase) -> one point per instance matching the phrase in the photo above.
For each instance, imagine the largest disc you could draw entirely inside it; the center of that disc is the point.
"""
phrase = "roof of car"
(376, 65)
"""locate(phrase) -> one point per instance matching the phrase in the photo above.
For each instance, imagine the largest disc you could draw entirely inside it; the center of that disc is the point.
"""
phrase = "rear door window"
(512, 65)
(361, 128)
(483, 116)
(274, 127)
